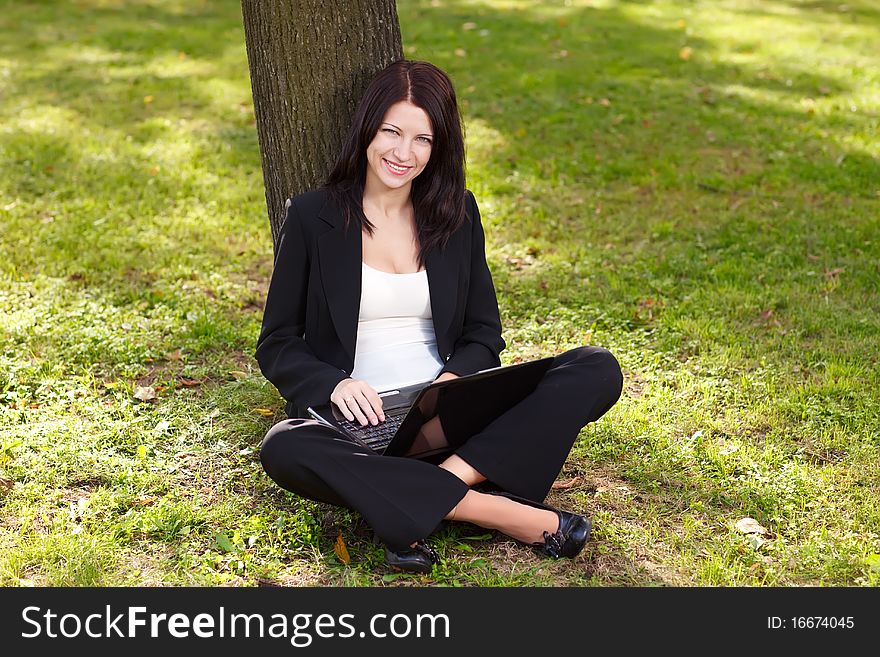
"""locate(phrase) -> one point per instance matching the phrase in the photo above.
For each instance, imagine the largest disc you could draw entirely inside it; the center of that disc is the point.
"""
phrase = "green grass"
(694, 185)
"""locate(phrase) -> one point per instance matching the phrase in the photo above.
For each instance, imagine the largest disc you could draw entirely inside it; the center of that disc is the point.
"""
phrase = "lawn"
(693, 185)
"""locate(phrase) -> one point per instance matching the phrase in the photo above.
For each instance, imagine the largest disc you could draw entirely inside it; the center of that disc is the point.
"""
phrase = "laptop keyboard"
(380, 435)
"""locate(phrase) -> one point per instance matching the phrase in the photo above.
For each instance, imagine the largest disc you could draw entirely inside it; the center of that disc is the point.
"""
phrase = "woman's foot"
(567, 541)
(418, 558)
(552, 533)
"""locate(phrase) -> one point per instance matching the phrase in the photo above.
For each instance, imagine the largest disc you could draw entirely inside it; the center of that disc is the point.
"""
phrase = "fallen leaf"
(265, 412)
(341, 551)
(154, 171)
(685, 53)
(5, 485)
(237, 374)
(174, 355)
(148, 99)
(564, 485)
(750, 526)
(145, 501)
(604, 102)
(469, 26)
(460, 52)
(144, 393)
(190, 382)
(223, 542)
(832, 273)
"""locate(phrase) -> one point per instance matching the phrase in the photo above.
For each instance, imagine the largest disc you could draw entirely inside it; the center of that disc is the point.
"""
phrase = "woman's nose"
(402, 150)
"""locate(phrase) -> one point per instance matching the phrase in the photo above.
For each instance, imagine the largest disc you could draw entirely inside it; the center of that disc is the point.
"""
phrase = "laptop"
(464, 406)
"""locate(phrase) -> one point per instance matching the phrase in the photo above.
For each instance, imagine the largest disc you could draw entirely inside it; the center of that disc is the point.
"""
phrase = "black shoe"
(418, 559)
(568, 540)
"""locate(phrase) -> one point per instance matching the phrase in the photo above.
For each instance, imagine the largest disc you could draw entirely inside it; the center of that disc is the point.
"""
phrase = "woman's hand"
(358, 401)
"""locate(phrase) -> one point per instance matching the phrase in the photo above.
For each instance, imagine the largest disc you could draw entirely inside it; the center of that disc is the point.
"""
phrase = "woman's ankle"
(524, 523)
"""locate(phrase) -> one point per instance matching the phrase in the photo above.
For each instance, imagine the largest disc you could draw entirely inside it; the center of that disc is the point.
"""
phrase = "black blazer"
(309, 332)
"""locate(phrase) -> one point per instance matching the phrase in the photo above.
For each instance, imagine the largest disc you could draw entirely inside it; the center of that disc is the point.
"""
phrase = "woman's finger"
(376, 402)
(342, 405)
(366, 407)
(352, 403)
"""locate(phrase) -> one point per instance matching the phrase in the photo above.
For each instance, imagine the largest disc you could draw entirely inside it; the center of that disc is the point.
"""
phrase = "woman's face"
(401, 148)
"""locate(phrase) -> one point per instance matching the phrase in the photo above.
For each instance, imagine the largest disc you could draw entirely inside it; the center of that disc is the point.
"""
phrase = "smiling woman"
(381, 282)
(401, 149)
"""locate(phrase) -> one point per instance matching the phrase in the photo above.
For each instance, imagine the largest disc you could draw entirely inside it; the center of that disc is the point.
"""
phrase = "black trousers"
(404, 499)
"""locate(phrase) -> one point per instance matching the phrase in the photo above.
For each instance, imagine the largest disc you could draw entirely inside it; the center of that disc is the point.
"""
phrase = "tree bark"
(310, 61)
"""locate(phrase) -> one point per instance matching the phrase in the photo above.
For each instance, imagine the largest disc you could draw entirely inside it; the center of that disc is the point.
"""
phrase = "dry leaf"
(144, 393)
(685, 53)
(145, 501)
(148, 99)
(341, 551)
(605, 102)
(190, 382)
(750, 526)
(237, 374)
(460, 52)
(174, 355)
(469, 26)
(5, 485)
(565, 484)
(265, 412)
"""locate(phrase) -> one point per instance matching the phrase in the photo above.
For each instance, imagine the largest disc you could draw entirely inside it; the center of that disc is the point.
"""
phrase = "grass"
(694, 185)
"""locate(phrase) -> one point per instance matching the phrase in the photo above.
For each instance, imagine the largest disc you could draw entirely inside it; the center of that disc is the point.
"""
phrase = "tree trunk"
(310, 61)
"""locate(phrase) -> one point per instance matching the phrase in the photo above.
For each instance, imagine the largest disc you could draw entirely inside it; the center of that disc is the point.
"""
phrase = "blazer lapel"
(442, 267)
(339, 256)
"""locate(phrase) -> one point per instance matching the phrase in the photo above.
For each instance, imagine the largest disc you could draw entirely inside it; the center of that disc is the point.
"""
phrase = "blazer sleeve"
(480, 343)
(284, 356)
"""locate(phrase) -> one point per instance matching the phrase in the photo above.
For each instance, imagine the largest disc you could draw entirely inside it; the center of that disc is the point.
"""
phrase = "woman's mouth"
(395, 169)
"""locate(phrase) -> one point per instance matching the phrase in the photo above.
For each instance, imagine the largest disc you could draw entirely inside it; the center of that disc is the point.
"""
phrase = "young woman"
(381, 281)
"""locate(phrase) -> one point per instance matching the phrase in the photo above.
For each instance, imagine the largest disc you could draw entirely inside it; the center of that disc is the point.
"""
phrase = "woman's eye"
(425, 139)
(393, 132)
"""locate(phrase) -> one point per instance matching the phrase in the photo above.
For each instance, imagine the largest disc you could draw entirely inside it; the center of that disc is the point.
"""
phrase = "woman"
(381, 281)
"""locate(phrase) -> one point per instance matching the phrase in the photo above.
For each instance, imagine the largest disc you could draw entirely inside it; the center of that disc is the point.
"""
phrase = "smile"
(397, 170)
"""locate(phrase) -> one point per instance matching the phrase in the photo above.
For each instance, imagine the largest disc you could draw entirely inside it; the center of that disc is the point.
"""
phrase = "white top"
(396, 345)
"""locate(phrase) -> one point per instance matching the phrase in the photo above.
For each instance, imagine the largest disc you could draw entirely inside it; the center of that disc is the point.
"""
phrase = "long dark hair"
(438, 191)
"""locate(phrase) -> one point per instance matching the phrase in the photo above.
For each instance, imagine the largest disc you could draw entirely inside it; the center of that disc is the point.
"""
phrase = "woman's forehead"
(405, 115)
